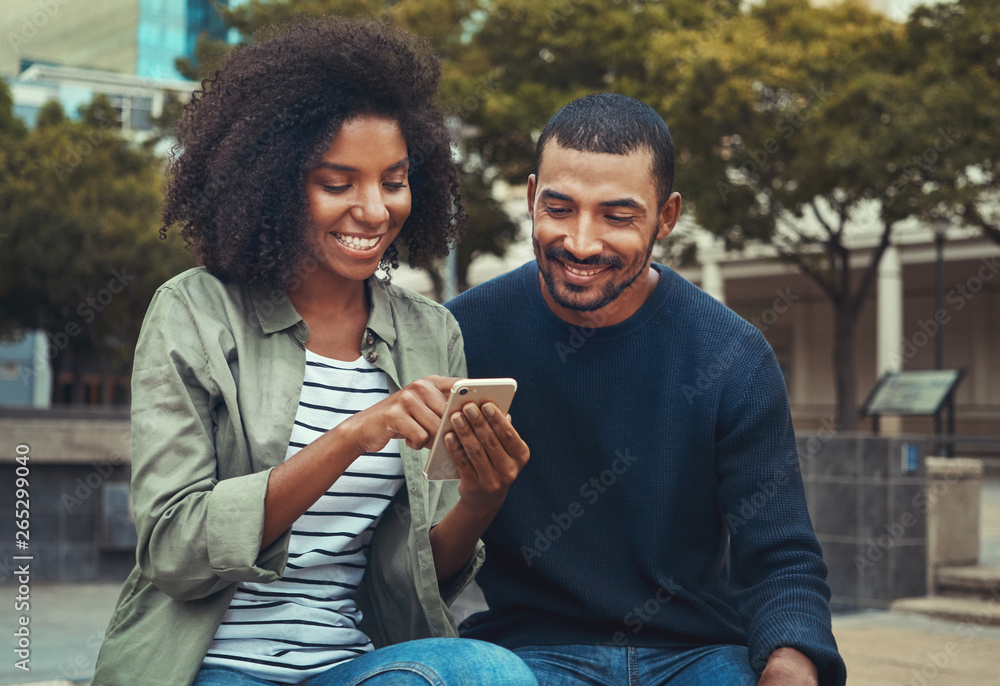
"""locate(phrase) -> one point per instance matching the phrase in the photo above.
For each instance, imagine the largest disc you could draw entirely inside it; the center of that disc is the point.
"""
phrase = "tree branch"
(809, 271)
(795, 229)
(829, 229)
(870, 273)
(973, 216)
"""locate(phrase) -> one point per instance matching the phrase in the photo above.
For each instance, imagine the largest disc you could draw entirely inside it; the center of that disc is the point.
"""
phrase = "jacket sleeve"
(197, 534)
(778, 572)
(449, 495)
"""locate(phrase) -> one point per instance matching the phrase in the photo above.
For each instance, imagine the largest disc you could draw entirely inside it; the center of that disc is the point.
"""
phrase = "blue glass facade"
(169, 29)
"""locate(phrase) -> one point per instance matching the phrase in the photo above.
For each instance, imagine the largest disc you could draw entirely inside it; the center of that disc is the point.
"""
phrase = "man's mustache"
(564, 255)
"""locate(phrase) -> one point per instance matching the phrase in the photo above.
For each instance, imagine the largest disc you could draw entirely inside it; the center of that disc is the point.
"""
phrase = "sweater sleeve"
(778, 572)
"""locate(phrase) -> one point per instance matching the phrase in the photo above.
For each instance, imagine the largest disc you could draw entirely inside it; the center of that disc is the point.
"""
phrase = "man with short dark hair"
(659, 534)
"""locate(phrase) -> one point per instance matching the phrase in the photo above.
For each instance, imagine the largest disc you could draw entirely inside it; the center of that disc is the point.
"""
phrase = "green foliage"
(51, 114)
(11, 128)
(533, 56)
(800, 126)
(953, 51)
(81, 256)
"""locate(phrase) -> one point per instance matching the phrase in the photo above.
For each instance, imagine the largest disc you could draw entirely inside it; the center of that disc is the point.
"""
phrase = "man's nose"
(583, 240)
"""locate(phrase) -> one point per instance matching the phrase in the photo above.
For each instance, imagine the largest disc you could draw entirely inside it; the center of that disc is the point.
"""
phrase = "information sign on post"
(919, 393)
(911, 393)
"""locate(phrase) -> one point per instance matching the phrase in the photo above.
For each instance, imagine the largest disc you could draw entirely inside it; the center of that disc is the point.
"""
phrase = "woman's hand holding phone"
(475, 441)
(413, 413)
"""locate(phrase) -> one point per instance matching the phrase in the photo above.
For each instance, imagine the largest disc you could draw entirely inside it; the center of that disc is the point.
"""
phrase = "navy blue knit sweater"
(662, 504)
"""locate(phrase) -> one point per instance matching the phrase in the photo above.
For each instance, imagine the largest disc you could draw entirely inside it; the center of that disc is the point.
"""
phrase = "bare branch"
(871, 271)
(792, 256)
(795, 229)
(819, 217)
(973, 216)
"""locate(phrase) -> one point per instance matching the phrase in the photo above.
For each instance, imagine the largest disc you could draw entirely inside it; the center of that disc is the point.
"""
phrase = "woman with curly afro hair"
(283, 394)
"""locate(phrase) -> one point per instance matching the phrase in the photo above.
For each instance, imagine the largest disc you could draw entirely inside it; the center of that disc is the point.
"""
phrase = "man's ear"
(531, 196)
(669, 215)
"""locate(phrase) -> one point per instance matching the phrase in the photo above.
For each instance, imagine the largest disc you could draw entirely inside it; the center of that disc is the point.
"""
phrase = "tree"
(529, 57)
(80, 207)
(822, 124)
(954, 51)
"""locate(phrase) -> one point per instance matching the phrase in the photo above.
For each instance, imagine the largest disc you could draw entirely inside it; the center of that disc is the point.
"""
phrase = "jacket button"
(372, 356)
(370, 338)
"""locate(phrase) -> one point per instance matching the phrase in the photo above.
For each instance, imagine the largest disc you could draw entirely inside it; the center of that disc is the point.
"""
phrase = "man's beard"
(563, 293)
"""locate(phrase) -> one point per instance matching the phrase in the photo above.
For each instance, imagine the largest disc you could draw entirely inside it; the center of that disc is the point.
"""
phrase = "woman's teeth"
(357, 242)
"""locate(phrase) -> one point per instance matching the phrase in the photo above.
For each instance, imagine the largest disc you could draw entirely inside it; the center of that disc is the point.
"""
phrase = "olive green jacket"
(215, 388)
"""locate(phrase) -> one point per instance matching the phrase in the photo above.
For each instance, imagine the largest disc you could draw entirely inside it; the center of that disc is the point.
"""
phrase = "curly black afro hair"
(236, 179)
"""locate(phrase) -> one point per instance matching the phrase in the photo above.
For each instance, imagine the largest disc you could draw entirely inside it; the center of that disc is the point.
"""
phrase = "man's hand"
(488, 453)
(788, 667)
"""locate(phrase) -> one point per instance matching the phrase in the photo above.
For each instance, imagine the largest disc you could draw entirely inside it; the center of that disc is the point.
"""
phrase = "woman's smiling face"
(358, 196)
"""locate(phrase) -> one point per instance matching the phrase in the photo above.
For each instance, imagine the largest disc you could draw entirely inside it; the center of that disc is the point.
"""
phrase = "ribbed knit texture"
(662, 504)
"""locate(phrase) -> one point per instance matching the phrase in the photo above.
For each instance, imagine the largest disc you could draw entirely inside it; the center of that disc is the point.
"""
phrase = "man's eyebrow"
(344, 168)
(622, 202)
(548, 194)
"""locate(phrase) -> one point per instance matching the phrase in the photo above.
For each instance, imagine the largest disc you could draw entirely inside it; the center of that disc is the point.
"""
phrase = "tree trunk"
(77, 394)
(437, 282)
(845, 380)
(54, 364)
(103, 364)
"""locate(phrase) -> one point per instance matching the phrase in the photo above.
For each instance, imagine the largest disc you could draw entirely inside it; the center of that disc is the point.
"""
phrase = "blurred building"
(140, 37)
(135, 100)
(23, 381)
(897, 328)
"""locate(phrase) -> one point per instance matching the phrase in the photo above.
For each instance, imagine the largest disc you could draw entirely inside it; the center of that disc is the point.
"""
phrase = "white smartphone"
(500, 392)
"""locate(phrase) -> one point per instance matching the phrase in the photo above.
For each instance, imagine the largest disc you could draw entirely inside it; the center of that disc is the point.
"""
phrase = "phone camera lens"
(463, 391)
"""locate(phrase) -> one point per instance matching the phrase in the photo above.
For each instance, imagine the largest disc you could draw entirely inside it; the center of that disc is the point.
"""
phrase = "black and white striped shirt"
(307, 621)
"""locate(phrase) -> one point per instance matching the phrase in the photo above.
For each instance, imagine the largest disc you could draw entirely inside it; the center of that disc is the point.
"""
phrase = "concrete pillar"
(711, 274)
(889, 326)
(954, 488)
(41, 378)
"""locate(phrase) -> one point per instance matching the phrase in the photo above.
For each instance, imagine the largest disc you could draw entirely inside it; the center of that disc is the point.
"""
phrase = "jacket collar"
(276, 313)
(381, 320)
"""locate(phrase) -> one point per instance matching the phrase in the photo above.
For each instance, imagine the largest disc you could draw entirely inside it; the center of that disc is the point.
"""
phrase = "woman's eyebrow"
(345, 168)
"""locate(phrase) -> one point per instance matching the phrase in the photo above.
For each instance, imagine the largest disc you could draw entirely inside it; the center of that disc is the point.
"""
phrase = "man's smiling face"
(594, 223)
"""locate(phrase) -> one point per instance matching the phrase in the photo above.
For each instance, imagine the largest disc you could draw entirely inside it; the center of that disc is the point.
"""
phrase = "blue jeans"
(435, 661)
(597, 665)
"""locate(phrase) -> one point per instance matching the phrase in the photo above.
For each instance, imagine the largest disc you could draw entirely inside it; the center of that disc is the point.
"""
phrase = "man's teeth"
(581, 272)
(357, 242)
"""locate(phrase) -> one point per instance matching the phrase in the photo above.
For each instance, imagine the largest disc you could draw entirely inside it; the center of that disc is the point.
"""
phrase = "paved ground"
(880, 648)
(895, 649)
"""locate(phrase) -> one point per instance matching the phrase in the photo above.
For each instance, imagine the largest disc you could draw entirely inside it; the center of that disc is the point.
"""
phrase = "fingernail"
(450, 441)
(471, 410)
(457, 420)
(489, 410)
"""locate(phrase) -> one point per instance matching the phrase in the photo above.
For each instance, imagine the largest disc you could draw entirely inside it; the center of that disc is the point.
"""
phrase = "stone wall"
(868, 501)
(80, 519)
